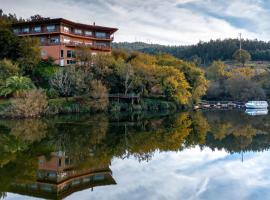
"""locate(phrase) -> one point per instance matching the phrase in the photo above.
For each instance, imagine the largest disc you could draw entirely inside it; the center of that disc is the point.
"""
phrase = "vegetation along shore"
(127, 79)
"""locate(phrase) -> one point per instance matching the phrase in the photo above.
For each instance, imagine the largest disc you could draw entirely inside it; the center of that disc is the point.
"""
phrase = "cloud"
(190, 174)
(170, 22)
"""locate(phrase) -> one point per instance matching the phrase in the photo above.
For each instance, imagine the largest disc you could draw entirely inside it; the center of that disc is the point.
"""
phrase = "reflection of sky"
(190, 174)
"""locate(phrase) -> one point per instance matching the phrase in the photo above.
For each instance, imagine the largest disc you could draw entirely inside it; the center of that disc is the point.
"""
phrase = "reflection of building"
(60, 38)
(58, 178)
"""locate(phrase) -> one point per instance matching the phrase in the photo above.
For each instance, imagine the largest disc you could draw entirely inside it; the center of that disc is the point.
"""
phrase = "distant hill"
(205, 52)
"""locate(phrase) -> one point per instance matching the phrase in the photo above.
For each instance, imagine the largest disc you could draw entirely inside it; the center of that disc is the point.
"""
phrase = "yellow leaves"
(246, 72)
(175, 84)
(217, 71)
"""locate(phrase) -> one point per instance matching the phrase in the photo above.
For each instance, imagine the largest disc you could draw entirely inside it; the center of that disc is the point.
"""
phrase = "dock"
(219, 105)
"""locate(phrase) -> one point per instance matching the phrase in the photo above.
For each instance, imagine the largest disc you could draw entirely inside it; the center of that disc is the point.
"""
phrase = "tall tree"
(242, 56)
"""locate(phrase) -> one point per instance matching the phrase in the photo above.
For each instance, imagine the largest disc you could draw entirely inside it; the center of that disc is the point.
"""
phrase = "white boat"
(257, 105)
(256, 112)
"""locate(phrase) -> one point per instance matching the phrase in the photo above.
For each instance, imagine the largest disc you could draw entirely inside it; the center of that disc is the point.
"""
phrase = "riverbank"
(87, 105)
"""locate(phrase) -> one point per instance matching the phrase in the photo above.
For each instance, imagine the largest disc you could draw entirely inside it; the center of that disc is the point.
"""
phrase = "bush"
(52, 93)
(8, 69)
(115, 107)
(32, 104)
(16, 85)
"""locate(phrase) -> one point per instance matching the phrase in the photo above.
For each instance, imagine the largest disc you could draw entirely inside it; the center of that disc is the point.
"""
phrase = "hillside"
(204, 52)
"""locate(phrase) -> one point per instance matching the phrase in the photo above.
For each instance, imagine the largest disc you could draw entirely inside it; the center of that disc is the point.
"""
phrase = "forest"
(205, 52)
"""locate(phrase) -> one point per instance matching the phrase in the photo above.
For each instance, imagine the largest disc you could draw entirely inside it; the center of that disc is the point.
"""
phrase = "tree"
(9, 44)
(243, 89)
(242, 56)
(174, 84)
(62, 81)
(29, 54)
(7, 69)
(217, 71)
(16, 85)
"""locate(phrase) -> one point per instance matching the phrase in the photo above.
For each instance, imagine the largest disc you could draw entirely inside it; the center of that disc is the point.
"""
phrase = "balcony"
(61, 30)
(33, 32)
(75, 44)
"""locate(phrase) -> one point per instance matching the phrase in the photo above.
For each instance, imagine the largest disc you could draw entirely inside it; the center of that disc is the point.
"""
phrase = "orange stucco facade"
(61, 38)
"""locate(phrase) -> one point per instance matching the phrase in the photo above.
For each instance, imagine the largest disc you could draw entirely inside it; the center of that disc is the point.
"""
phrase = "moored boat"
(257, 105)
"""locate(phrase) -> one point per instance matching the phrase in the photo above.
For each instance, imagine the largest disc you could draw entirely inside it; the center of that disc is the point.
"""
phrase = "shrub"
(16, 85)
(115, 107)
(99, 95)
(32, 104)
(8, 69)
(52, 93)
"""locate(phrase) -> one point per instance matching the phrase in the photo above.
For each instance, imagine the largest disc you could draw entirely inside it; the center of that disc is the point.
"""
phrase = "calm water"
(202, 155)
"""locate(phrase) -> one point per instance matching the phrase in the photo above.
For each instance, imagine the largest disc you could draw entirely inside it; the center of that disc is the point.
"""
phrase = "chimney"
(94, 23)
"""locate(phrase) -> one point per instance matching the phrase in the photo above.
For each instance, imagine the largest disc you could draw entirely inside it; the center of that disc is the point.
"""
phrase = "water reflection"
(255, 112)
(53, 158)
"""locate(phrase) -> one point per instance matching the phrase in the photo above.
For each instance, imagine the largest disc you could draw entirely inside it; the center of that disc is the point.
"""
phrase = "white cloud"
(165, 22)
(190, 174)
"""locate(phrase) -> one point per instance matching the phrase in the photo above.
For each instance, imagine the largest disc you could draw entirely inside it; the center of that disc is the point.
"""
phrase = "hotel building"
(60, 38)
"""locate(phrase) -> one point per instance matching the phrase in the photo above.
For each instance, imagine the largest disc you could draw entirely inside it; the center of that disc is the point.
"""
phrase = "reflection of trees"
(232, 130)
(95, 140)
(3, 195)
(199, 130)
(166, 134)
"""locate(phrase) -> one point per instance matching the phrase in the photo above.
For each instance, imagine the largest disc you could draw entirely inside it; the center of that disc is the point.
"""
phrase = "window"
(59, 162)
(75, 182)
(54, 40)
(78, 31)
(50, 28)
(89, 43)
(88, 33)
(37, 29)
(66, 40)
(78, 42)
(62, 53)
(43, 40)
(66, 29)
(16, 30)
(102, 44)
(70, 54)
(70, 62)
(99, 177)
(100, 35)
(26, 30)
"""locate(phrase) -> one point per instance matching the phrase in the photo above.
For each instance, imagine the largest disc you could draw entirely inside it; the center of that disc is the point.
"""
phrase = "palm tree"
(16, 85)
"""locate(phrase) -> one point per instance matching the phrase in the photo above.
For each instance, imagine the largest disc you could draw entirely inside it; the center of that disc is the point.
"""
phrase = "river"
(188, 155)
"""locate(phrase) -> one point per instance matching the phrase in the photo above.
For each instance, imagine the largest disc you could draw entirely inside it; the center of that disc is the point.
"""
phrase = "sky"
(190, 174)
(169, 22)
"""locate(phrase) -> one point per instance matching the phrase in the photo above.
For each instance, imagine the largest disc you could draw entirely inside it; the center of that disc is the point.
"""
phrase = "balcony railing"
(32, 32)
(75, 44)
(61, 30)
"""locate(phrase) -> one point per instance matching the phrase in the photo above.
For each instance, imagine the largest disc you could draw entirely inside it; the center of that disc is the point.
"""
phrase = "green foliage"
(242, 56)
(7, 69)
(9, 44)
(204, 52)
(43, 72)
(16, 85)
(52, 93)
(29, 54)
